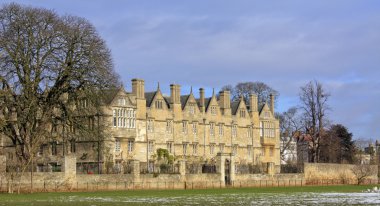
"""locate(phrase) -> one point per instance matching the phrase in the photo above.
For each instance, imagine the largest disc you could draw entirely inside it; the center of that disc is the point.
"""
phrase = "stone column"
(182, 169)
(70, 167)
(220, 159)
(232, 168)
(270, 168)
(3, 164)
(136, 170)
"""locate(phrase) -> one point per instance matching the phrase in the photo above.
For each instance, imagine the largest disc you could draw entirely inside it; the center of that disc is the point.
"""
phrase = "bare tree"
(48, 64)
(244, 89)
(363, 171)
(314, 105)
(290, 127)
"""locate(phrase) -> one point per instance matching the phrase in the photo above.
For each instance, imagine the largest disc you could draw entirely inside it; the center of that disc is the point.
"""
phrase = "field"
(309, 195)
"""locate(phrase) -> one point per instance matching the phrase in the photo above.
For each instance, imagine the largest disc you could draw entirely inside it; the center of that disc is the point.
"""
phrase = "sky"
(212, 43)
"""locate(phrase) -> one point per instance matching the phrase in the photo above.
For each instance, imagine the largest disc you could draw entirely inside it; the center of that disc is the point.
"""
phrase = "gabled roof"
(149, 96)
(108, 95)
(207, 102)
(261, 107)
(184, 99)
(234, 107)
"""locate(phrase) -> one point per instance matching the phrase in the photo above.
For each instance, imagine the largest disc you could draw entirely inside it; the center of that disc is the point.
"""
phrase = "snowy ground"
(238, 199)
(241, 198)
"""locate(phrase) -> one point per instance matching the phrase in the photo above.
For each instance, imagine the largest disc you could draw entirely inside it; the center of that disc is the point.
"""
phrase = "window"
(249, 150)
(184, 147)
(184, 127)
(221, 129)
(169, 147)
(83, 103)
(150, 146)
(234, 149)
(91, 124)
(249, 132)
(169, 126)
(54, 148)
(117, 145)
(150, 125)
(121, 102)
(272, 130)
(212, 147)
(40, 151)
(195, 148)
(221, 148)
(130, 145)
(234, 130)
(267, 129)
(242, 113)
(213, 110)
(195, 127)
(266, 114)
(73, 148)
(271, 151)
(124, 118)
(212, 129)
(192, 109)
(158, 104)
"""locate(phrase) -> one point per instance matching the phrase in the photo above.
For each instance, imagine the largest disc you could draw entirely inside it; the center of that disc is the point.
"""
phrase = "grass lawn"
(239, 196)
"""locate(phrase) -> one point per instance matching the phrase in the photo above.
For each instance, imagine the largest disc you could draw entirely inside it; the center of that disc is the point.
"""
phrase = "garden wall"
(69, 180)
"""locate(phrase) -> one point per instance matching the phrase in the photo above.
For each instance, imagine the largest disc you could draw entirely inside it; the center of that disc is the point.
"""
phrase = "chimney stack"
(253, 102)
(175, 93)
(224, 99)
(138, 88)
(202, 99)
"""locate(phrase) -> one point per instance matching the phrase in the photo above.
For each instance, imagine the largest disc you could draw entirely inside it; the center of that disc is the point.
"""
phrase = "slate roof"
(108, 95)
(184, 99)
(149, 96)
(234, 107)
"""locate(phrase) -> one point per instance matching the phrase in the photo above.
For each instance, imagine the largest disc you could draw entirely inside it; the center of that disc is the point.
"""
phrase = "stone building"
(137, 123)
(187, 127)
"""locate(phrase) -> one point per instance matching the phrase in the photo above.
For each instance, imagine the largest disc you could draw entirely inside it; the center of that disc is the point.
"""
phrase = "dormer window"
(83, 103)
(242, 113)
(121, 102)
(158, 104)
(192, 108)
(213, 110)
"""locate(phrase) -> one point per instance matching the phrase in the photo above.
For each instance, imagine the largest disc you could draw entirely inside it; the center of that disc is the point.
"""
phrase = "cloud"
(214, 43)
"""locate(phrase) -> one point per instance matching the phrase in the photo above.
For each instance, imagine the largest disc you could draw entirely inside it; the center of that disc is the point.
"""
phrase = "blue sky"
(213, 43)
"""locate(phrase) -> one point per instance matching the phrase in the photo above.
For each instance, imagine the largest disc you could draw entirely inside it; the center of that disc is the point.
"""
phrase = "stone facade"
(137, 123)
(141, 122)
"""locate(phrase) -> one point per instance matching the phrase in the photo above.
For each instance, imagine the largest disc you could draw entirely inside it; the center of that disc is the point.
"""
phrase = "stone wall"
(68, 180)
